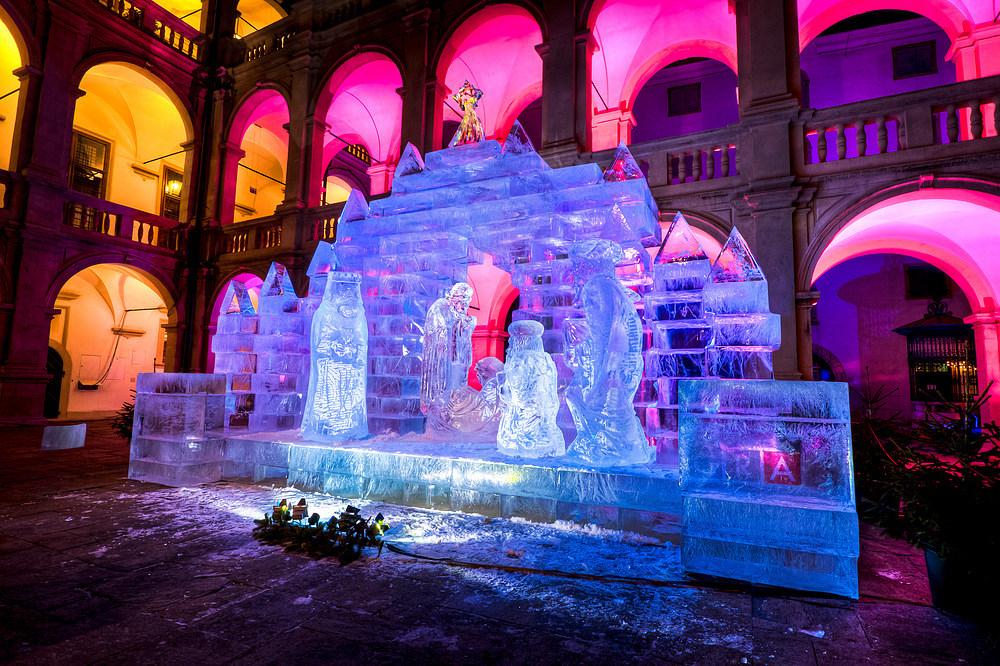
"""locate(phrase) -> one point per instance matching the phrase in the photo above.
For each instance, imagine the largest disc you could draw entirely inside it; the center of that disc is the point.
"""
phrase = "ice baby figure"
(335, 407)
(605, 353)
(530, 395)
(468, 410)
(470, 130)
(447, 347)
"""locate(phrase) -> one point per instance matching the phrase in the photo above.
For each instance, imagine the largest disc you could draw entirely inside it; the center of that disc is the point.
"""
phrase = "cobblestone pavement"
(100, 569)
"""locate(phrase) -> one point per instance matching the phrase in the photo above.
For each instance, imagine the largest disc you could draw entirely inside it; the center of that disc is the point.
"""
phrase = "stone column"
(986, 330)
(611, 127)
(767, 41)
(192, 156)
(562, 103)
(976, 53)
(26, 116)
(297, 177)
(416, 60)
(313, 167)
(230, 155)
(805, 301)
(381, 177)
(434, 95)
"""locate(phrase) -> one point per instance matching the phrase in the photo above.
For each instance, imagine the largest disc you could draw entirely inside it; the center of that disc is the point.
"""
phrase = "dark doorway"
(53, 389)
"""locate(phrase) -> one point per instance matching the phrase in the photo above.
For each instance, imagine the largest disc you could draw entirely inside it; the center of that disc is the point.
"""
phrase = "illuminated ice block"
(233, 344)
(767, 483)
(530, 394)
(335, 406)
(176, 434)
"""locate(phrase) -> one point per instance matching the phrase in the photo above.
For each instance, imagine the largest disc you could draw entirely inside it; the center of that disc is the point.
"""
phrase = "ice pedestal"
(767, 483)
(173, 442)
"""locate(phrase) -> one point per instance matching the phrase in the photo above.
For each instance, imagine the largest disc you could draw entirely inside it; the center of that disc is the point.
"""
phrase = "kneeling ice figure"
(335, 407)
(469, 410)
(530, 396)
(605, 352)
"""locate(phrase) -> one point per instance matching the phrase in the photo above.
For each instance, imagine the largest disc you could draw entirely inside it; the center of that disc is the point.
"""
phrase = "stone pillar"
(26, 116)
(297, 176)
(192, 150)
(416, 60)
(229, 159)
(804, 303)
(611, 127)
(381, 177)
(768, 231)
(976, 53)
(562, 103)
(315, 139)
(986, 329)
(584, 46)
(767, 42)
(434, 95)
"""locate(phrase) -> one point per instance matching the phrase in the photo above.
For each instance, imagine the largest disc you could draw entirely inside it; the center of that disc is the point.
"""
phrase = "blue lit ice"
(447, 350)
(530, 394)
(335, 408)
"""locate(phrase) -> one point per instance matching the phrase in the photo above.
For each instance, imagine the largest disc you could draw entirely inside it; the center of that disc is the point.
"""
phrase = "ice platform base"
(476, 479)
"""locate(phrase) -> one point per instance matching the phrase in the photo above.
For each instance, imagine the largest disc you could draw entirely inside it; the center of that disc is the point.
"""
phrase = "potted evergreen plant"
(942, 493)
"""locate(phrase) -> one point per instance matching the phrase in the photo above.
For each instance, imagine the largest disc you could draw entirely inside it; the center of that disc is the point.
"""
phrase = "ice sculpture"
(680, 330)
(176, 439)
(605, 352)
(232, 345)
(470, 130)
(745, 330)
(530, 395)
(324, 260)
(767, 483)
(282, 349)
(447, 348)
(335, 407)
(623, 166)
(468, 410)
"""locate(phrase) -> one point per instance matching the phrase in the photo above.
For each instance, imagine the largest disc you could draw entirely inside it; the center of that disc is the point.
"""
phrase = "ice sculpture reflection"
(605, 353)
(335, 410)
(530, 395)
(447, 348)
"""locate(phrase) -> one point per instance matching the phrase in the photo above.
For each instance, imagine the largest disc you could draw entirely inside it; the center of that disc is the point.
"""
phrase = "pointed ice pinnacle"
(324, 259)
(680, 243)
(410, 162)
(237, 299)
(623, 166)
(277, 282)
(736, 263)
(617, 228)
(355, 208)
(517, 142)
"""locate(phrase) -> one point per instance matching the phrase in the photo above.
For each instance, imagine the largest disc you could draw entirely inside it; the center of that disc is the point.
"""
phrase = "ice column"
(605, 352)
(282, 349)
(681, 332)
(232, 345)
(335, 406)
(746, 332)
(530, 394)
(767, 483)
(176, 436)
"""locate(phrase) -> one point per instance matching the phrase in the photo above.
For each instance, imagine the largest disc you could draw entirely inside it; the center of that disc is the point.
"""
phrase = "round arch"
(674, 53)
(22, 35)
(246, 275)
(815, 16)
(161, 283)
(259, 100)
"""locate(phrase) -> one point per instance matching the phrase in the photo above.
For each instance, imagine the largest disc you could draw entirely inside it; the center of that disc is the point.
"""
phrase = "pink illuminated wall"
(362, 106)
(258, 129)
(495, 51)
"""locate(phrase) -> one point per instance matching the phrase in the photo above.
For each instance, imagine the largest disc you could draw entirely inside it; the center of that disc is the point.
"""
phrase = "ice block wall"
(681, 332)
(282, 349)
(233, 345)
(767, 483)
(176, 438)
(444, 213)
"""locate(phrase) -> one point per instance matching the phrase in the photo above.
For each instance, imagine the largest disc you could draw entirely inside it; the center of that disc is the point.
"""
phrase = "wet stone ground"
(95, 568)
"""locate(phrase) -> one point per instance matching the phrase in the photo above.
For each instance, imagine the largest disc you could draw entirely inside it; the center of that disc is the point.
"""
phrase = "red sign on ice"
(782, 468)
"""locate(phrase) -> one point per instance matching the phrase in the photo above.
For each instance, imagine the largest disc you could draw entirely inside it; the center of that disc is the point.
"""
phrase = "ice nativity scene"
(636, 390)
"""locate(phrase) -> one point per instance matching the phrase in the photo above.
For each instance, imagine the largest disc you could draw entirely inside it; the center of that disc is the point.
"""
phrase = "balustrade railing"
(323, 221)
(259, 234)
(153, 19)
(103, 217)
(709, 155)
(270, 39)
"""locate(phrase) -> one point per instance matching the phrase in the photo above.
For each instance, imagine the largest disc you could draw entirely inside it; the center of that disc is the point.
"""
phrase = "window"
(682, 100)
(927, 282)
(88, 168)
(914, 60)
(170, 202)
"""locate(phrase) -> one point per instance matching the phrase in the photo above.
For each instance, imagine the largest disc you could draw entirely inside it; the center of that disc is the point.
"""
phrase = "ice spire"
(237, 299)
(410, 162)
(623, 166)
(617, 228)
(680, 243)
(736, 263)
(278, 284)
(517, 142)
(355, 208)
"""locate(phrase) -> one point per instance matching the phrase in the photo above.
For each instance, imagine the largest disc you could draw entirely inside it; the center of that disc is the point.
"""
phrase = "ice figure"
(767, 483)
(745, 330)
(470, 130)
(323, 261)
(447, 347)
(468, 410)
(335, 406)
(233, 346)
(680, 332)
(282, 349)
(623, 166)
(530, 394)
(517, 142)
(605, 352)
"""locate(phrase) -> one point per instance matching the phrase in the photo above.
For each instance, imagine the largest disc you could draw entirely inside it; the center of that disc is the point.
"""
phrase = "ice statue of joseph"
(605, 353)
(447, 346)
